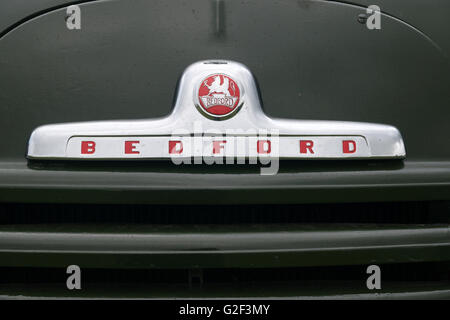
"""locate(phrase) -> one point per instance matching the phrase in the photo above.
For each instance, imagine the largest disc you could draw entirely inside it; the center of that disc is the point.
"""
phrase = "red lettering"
(87, 147)
(348, 146)
(218, 145)
(130, 146)
(262, 144)
(306, 145)
(175, 147)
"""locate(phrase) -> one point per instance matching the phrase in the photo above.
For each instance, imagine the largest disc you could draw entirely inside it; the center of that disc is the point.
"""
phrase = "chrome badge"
(218, 97)
(210, 91)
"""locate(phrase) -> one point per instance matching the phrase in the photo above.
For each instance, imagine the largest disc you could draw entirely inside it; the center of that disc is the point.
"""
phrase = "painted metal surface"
(296, 182)
(318, 57)
(394, 76)
(212, 246)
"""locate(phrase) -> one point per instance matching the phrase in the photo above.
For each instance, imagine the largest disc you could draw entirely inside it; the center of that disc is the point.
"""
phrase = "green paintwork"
(317, 62)
(163, 183)
(219, 247)
(312, 60)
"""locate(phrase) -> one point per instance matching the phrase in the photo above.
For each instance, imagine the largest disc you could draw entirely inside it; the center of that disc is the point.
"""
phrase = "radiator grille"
(391, 272)
(378, 213)
(286, 282)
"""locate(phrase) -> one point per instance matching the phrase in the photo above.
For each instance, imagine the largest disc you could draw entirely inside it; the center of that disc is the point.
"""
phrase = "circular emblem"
(219, 97)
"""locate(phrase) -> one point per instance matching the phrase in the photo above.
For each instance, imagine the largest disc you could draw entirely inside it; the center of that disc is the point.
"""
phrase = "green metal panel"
(313, 61)
(224, 247)
(161, 182)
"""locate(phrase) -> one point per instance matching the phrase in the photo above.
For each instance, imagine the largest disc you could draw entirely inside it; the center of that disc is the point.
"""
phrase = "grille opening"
(402, 272)
(424, 212)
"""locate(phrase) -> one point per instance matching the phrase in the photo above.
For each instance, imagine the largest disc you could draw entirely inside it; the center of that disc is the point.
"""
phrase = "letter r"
(306, 146)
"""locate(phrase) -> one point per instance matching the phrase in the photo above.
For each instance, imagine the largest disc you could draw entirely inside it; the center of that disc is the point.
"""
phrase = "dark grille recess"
(391, 272)
(379, 213)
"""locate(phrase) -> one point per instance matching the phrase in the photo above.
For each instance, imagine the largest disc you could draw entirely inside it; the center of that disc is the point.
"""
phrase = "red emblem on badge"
(219, 97)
